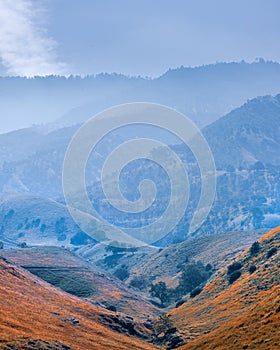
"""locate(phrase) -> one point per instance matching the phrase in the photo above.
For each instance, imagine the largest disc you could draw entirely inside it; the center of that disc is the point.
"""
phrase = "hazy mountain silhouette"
(203, 93)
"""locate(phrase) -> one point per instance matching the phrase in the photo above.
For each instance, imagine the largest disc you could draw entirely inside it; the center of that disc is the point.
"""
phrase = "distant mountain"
(203, 93)
(247, 135)
(247, 195)
(239, 307)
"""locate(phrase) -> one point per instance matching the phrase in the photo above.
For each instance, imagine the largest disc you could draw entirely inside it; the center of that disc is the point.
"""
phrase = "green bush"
(139, 282)
(255, 248)
(252, 269)
(233, 267)
(234, 276)
(271, 252)
(162, 324)
(160, 291)
(195, 292)
(122, 273)
(192, 276)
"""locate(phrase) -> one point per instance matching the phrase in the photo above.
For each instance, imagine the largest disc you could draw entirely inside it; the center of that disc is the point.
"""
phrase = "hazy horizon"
(141, 38)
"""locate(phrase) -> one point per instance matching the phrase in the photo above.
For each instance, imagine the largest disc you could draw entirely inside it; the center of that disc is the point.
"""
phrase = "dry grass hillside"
(218, 250)
(165, 264)
(244, 314)
(35, 315)
(69, 272)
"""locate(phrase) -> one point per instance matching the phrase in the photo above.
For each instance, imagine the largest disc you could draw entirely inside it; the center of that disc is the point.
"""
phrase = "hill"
(37, 221)
(33, 312)
(247, 196)
(67, 271)
(240, 311)
(165, 264)
(247, 134)
(203, 93)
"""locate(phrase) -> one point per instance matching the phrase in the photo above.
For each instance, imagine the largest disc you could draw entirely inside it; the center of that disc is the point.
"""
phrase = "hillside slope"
(37, 221)
(243, 314)
(165, 264)
(72, 274)
(247, 134)
(32, 309)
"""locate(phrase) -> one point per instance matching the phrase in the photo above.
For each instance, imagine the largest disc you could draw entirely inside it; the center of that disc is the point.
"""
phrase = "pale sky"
(133, 37)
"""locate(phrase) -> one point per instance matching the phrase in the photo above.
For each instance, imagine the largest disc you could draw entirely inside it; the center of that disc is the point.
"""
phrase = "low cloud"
(25, 47)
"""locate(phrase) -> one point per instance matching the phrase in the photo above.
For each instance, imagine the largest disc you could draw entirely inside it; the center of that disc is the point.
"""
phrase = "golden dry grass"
(243, 315)
(30, 308)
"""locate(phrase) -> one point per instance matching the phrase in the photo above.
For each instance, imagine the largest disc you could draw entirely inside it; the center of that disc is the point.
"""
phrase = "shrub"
(43, 228)
(179, 303)
(139, 282)
(122, 273)
(160, 291)
(1, 245)
(252, 268)
(192, 276)
(233, 267)
(66, 280)
(255, 248)
(208, 267)
(119, 249)
(234, 276)
(271, 252)
(111, 308)
(162, 324)
(80, 238)
(195, 292)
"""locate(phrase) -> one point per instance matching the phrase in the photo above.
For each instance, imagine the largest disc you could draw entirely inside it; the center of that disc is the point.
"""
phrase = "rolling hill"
(237, 312)
(154, 265)
(35, 313)
(67, 271)
(247, 195)
(247, 134)
(37, 221)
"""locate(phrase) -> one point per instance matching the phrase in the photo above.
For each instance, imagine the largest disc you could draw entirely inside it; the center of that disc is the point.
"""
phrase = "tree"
(252, 268)
(139, 282)
(271, 252)
(122, 273)
(233, 267)
(1, 245)
(234, 276)
(192, 276)
(195, 292)
(160, 291)
(255, 248)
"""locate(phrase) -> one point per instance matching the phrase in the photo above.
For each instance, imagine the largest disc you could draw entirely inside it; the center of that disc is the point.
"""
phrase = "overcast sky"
(134, 37)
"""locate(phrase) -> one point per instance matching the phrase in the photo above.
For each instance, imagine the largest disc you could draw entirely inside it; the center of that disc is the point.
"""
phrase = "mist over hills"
(247, 195)
(247, 199)
(202, 93)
